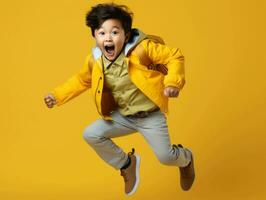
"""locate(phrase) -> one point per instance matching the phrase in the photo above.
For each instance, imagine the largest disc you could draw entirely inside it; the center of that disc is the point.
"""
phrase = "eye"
(101, 33)
(115, 32)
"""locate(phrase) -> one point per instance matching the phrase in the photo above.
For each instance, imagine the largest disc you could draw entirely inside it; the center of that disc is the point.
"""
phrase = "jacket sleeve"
(172, 58)
(74, 85)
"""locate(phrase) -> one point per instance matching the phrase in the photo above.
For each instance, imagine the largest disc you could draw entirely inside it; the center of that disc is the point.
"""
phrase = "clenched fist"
(171, 91)
(50, 100)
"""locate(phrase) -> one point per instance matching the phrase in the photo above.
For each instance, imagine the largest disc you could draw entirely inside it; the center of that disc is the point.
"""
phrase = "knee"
(89, 135)
(164, 158)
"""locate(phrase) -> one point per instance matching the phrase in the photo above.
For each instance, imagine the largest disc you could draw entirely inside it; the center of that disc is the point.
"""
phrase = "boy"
(129, 96)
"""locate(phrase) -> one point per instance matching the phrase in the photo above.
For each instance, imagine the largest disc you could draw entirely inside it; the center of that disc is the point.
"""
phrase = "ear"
(127, 37)
(94, 32)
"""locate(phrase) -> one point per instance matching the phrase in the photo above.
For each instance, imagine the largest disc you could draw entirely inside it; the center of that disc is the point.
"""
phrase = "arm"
(172, 58)
(74, 85)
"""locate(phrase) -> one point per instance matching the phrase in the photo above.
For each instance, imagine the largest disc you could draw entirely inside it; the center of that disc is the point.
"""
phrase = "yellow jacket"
(150, 82)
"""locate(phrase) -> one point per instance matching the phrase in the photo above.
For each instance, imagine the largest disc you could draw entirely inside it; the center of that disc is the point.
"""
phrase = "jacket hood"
(136, 37)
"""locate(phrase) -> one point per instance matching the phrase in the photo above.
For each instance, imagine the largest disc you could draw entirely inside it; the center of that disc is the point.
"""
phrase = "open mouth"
(110, 50)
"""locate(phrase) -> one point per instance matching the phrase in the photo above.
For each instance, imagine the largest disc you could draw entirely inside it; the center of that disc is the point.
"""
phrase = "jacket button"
(101, 78)
(99, 91)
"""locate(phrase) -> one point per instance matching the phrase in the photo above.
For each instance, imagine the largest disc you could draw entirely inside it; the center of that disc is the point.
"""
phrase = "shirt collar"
(118, 61)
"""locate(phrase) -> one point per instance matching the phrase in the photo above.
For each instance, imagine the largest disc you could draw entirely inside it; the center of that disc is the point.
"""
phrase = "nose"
(108, 37)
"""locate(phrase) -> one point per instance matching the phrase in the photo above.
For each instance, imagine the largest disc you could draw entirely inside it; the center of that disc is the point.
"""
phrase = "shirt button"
(99, 91)
(101, 78)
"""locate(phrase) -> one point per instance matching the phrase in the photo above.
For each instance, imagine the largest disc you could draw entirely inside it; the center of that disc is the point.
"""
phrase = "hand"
(171, 91)
(50, 100)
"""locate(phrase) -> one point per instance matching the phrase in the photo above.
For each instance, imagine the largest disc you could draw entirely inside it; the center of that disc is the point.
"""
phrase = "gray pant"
(153, 128)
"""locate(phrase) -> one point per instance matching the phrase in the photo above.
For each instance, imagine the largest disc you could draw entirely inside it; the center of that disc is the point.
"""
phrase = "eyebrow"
(112, 27)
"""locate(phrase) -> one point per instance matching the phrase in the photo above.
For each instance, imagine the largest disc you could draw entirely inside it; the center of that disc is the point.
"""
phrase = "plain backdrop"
(220, 113)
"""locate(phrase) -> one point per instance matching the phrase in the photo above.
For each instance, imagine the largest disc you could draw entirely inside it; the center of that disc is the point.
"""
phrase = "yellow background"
(220, 114)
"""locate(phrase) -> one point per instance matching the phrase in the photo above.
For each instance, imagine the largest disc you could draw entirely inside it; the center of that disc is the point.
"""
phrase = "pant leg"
(98, 135)
(155, 131)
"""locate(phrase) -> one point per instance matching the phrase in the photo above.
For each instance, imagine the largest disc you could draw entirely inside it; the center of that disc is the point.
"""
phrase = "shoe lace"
(124, 174)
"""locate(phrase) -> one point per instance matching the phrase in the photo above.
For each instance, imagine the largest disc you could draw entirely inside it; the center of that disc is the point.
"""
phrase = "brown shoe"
(187, 173)
(131, 174)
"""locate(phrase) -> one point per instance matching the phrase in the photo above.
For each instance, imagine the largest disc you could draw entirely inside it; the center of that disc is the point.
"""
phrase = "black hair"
(102, 12)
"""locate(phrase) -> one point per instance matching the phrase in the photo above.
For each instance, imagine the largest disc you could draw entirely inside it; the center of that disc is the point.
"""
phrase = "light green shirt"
(129, 98)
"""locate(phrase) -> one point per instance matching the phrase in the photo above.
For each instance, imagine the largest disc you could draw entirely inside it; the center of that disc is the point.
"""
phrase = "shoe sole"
(137, 176)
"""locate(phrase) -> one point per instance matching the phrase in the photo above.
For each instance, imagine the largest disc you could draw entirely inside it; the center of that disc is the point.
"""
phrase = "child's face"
(110, 38)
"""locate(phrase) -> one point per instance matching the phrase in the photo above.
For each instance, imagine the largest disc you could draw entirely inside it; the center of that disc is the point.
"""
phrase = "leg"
(155, 131)
(98, 137)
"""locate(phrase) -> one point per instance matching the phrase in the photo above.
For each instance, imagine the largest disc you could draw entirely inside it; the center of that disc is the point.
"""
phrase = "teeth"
(109, 45)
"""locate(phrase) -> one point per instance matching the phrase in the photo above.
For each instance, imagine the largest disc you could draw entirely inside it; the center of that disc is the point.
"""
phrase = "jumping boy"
(130, 92)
